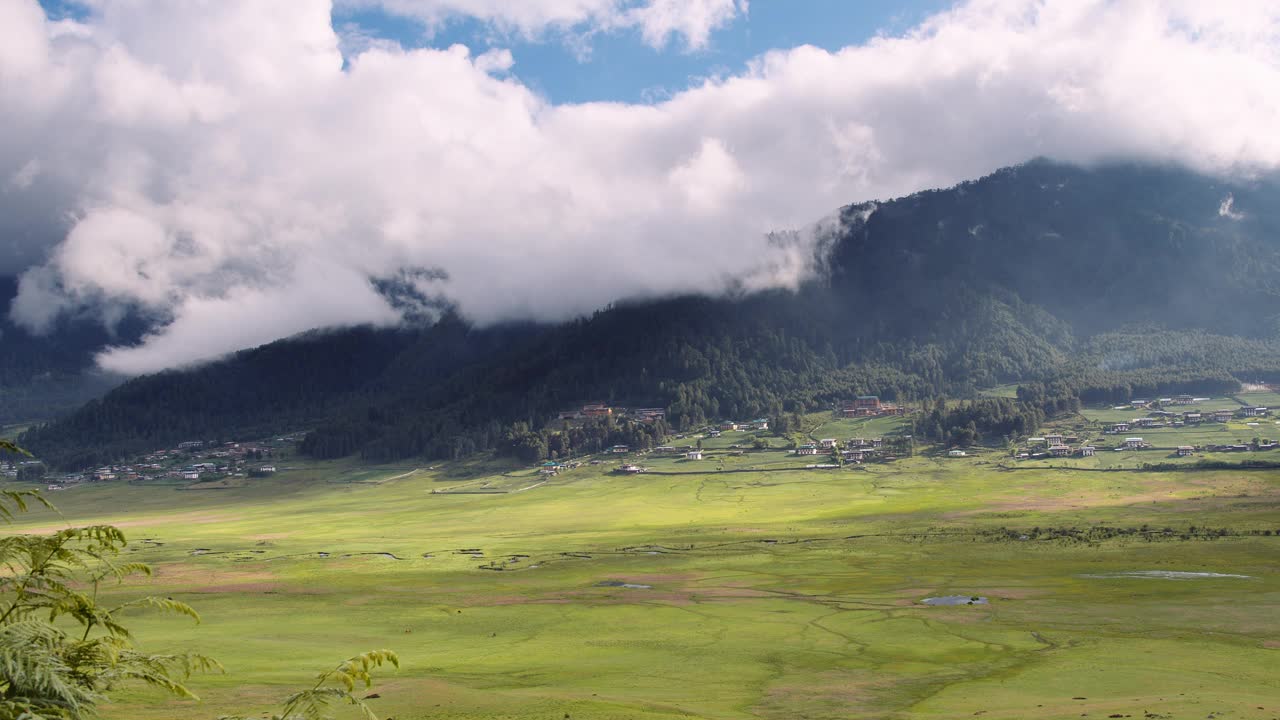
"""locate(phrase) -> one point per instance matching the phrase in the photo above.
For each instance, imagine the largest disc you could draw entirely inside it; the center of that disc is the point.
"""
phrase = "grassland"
(774, 592)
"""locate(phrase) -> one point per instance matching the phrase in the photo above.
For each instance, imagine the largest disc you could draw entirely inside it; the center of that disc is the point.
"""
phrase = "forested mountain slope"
(1092, 283)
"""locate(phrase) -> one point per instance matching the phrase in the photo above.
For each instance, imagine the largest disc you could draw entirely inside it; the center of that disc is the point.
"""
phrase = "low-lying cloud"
(219, 166)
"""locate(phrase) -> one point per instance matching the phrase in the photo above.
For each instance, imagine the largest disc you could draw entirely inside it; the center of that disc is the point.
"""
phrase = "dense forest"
(1082, 285)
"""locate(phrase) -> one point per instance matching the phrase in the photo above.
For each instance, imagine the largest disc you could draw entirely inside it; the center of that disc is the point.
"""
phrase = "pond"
(621, 584)
(955, 600)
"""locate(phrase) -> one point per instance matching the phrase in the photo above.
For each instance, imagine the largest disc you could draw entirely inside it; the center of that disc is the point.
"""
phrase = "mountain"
(1080, 283)
(49, 374)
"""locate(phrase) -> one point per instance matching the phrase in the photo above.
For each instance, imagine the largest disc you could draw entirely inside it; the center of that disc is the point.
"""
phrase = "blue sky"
(621, 67)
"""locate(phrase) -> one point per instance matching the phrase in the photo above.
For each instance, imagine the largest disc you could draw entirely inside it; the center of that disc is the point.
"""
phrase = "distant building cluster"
(871, 406)
(188, 461)
(853, 450)
(600, 410)
(1157, 419)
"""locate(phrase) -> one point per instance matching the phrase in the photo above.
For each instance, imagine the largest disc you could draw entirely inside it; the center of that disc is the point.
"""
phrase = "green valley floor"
(696, 592)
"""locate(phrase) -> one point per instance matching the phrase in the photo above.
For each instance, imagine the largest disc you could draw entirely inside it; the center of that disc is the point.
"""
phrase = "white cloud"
(26, 175)
(214, 163)
(658, 21)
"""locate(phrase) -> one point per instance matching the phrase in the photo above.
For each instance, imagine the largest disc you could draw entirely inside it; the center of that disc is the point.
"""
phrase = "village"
(1176, 425)
(188, 462)
(1165, 425)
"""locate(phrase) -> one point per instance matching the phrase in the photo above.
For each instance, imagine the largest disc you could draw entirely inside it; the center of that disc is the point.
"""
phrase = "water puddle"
(621, 584)
(955, 600)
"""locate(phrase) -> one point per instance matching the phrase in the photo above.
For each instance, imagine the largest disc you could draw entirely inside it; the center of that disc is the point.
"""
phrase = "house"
(1185, 450)
(1255, 411)
(956, 453)
(1053, 440)
(1134, 443)
(877, 442)
(855, 456)
(1087, 451)
(808, 449)
(267, 469)
(1035, 441)
(619, 449)
(1192, 418)
(863, 406)
(1120, 427)
(827, 443)
(1059, 450)
(596, 410)
(190, 476)
(1222, 416)
(665, 450)
(761, 424)
(650, 414)
(728, 427)
(891, 409)
(1135, 404)
(1183, 400)
(631, 469)
(693, 455)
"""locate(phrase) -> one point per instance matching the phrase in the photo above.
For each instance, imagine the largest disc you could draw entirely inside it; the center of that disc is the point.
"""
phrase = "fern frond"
(159, 603)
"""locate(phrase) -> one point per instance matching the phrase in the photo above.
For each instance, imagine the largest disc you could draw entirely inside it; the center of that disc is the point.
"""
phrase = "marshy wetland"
(781, 593)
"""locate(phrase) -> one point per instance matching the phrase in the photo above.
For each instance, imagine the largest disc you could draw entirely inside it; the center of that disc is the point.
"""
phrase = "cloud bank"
(216, 165)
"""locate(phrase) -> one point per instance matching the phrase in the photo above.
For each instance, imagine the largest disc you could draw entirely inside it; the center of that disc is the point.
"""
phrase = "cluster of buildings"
(870, 406)
(192, 460)
(599, 410)
(9, 468)
(689, 452)
(1055, 445)
(1165, 418)
(854, 450)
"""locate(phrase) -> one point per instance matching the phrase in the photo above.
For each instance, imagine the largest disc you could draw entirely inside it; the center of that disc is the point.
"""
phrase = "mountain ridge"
(1031, 274)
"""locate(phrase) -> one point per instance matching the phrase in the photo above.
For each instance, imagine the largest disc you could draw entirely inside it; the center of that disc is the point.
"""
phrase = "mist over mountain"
(238, 171)
(1100, 282)
(47, 374)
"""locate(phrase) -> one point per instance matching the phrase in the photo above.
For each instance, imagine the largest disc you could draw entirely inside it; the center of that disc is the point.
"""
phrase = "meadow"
(740, 586)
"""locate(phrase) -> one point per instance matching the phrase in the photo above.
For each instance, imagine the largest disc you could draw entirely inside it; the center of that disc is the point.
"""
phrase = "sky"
(243, 170)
